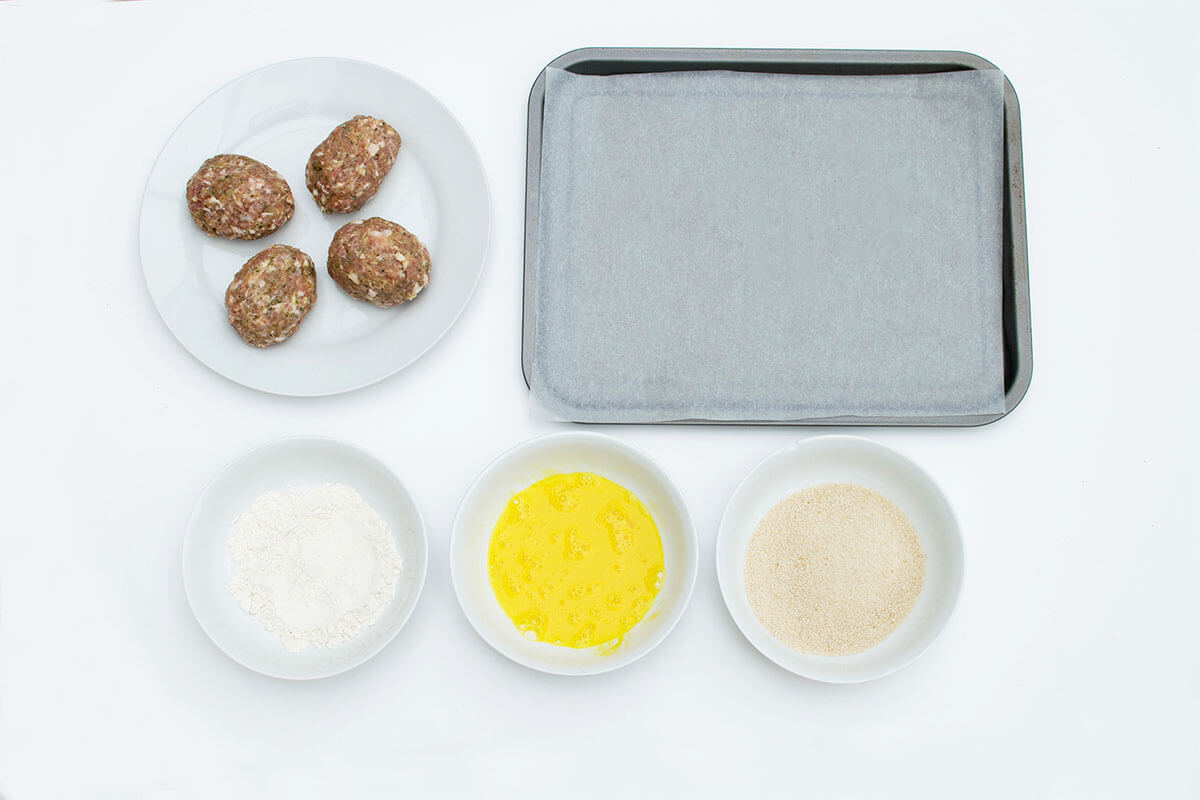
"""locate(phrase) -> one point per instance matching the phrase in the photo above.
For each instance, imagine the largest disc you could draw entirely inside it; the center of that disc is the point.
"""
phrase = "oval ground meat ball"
(347, 169)
(378, 261)
(270, 295)
(238, 198)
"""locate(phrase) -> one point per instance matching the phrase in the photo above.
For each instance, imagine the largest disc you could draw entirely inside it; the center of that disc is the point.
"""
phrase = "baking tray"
(1018, 345)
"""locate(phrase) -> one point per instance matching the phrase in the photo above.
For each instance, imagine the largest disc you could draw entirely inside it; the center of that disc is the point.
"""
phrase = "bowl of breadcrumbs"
(839, 559)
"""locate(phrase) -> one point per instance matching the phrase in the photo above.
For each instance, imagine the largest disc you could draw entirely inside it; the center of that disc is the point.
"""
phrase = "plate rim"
(362, 384)
(420, 529)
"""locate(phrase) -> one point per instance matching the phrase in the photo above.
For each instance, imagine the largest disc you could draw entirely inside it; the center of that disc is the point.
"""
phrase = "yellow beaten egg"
(575, 560)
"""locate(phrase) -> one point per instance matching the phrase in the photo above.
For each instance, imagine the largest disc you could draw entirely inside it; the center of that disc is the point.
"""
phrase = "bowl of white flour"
(304, 557)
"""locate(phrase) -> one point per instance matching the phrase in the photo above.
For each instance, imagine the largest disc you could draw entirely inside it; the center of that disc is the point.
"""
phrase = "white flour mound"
(315, 567)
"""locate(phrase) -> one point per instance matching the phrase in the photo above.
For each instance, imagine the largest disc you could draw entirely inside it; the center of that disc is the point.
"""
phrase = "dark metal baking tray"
(1018, 345)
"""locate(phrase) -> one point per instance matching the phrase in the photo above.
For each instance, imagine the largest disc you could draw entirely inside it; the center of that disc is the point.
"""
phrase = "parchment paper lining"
(746, 246)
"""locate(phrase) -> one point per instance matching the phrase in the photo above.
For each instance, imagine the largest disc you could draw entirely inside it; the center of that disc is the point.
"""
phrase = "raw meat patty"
(378, 261)
(238, 198)
(347, 169)
(270, 295)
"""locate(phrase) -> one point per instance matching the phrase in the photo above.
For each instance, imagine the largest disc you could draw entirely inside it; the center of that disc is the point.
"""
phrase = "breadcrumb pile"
(832, 570)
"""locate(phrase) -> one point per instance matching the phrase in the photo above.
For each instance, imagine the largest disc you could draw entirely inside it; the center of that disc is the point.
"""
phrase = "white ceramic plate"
(846, 459)
(278, 114)
(528, 463)
(207, 567)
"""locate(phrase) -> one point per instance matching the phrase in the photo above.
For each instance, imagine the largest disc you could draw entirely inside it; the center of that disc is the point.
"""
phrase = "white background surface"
(1070, 669)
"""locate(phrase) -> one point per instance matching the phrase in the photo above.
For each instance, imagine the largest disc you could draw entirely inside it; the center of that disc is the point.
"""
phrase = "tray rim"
(1016, 243)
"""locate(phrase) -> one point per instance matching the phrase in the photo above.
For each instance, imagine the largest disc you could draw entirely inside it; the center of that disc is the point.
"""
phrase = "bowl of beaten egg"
(573, 554)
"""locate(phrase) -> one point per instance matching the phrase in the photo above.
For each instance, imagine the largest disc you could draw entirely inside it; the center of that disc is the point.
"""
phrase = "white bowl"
(207, 566)
(528, 463)
(845, 459)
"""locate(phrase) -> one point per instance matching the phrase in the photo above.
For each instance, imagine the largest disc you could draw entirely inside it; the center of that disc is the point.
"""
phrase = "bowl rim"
(688, 534)
(419, 531)
(729, 585)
